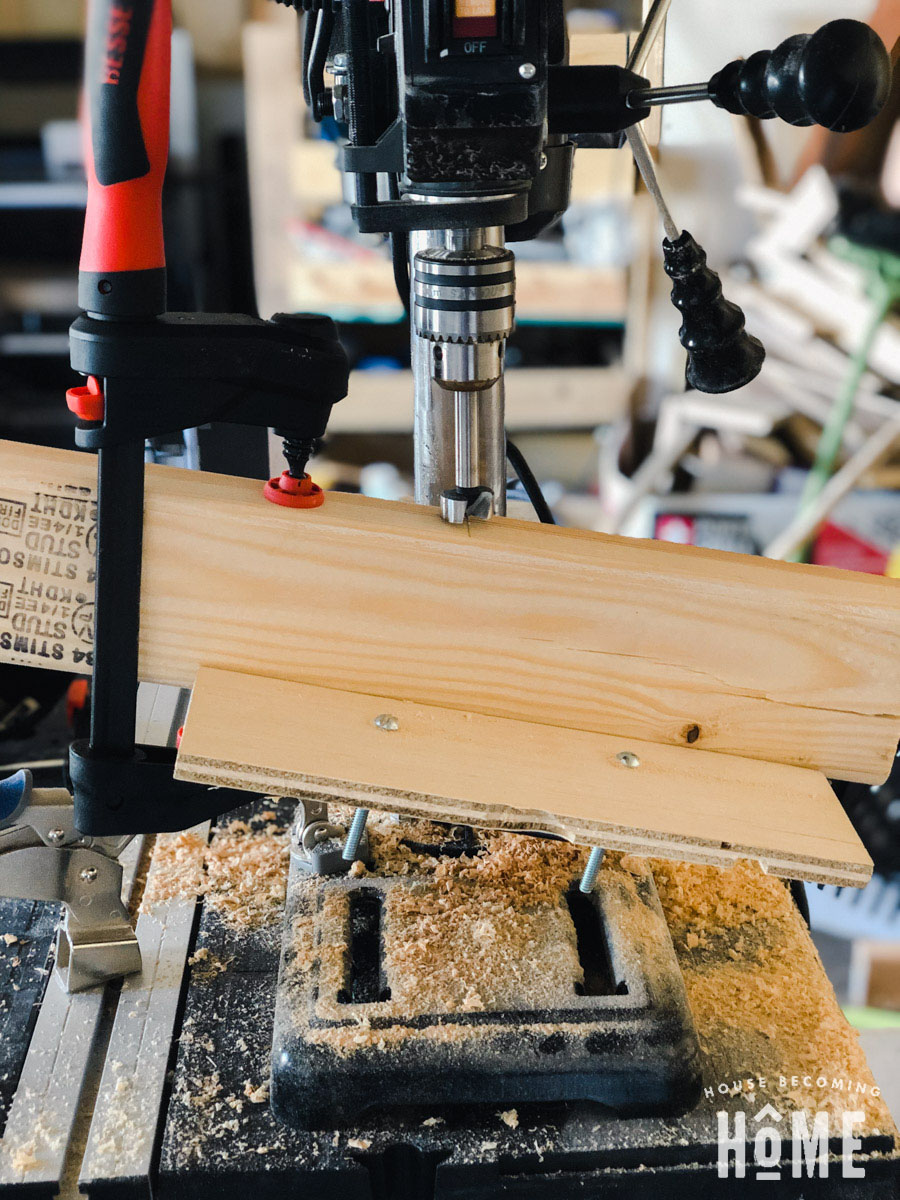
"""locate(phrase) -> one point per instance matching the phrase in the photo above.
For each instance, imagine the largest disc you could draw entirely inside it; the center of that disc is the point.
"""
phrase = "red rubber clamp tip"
(87, 403)
(294, 493)
(178, 736)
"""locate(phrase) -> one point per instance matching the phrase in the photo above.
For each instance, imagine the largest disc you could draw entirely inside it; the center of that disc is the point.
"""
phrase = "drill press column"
(463, 303)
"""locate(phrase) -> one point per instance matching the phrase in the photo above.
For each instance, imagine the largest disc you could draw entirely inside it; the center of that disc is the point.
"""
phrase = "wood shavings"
(755, 982)
(208, 1088)
(358, 1143)
(256, 1094)
(10, 939)
(430, 1122)
(206, 965)
(24, 1157)
(510, 1117)
(242, 872)
(177, 869)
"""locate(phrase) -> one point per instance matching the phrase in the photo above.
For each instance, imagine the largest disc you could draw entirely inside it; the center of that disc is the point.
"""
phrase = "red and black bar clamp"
(149, 373)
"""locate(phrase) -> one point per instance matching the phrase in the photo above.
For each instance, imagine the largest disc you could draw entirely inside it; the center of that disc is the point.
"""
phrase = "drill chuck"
(464, 303)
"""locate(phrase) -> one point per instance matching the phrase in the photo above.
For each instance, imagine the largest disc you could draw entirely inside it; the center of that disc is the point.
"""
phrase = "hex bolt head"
(88, 875)
(387, 722)
(528, 70)
(628, 758)
(55, 836)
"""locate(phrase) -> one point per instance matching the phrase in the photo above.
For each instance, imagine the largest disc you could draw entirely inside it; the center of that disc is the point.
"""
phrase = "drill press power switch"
(472, 28)
(474, 21)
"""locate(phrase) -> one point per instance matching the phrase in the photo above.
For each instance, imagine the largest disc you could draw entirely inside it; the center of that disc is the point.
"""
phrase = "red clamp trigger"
(88, 402)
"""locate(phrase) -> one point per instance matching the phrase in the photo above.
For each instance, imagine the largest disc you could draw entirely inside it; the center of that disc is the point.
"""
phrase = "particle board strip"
(280, 737)
(562, 627)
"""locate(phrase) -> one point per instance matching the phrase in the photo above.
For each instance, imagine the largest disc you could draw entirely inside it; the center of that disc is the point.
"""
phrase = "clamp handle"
(127, 67)
(15, 792)
(839, 77)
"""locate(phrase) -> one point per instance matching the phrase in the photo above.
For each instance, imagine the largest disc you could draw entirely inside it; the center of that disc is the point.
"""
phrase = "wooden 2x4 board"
(560, 627)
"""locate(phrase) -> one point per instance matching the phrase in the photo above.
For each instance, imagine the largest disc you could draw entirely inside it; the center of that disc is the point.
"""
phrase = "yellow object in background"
(892, 570)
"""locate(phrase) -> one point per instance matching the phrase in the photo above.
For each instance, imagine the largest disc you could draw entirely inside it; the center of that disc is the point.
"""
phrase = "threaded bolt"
(591, 871)
(354, 835)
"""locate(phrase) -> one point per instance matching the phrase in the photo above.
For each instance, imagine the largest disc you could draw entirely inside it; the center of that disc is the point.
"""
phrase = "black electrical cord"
(400, 262)
(529, 483)
(310, 20)
(315, 68)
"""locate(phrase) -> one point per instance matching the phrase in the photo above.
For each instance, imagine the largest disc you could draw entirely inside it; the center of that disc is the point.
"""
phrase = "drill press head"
(458, 122)
(448, 148)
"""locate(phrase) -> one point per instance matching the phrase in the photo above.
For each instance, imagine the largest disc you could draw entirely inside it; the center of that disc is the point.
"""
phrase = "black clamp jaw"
(158, 375)
(182, 370)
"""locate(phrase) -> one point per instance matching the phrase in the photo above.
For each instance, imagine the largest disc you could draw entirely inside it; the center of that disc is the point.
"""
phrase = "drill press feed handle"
(839, 77)
(123, 262)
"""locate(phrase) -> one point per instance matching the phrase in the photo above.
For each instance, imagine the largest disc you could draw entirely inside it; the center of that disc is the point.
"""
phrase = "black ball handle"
(839, 77)
(721, 355)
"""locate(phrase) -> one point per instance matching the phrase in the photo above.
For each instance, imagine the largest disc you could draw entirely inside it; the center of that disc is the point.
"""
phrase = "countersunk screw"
(88, 875)
(591, 871)
(354, 834)
(55, 836)
(528, 70)
(628, 758)
(386, 722)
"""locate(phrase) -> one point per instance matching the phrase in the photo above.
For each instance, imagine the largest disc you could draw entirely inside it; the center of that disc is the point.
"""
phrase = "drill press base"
(219, 1142)
(760, 1001)
(371, 965)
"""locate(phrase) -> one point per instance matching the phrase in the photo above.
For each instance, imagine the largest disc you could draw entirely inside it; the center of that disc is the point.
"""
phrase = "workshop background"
(803, 226)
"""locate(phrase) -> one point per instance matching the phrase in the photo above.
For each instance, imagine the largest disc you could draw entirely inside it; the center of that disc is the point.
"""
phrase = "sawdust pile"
(467, 933)
(242, 872)
(708, 898)
(758, 991)
(487, 932)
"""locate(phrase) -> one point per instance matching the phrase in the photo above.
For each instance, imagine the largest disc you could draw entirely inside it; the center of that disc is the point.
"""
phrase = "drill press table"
(761, 1002)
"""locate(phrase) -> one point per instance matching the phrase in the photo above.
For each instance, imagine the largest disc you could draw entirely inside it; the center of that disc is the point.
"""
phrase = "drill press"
(460, 120)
